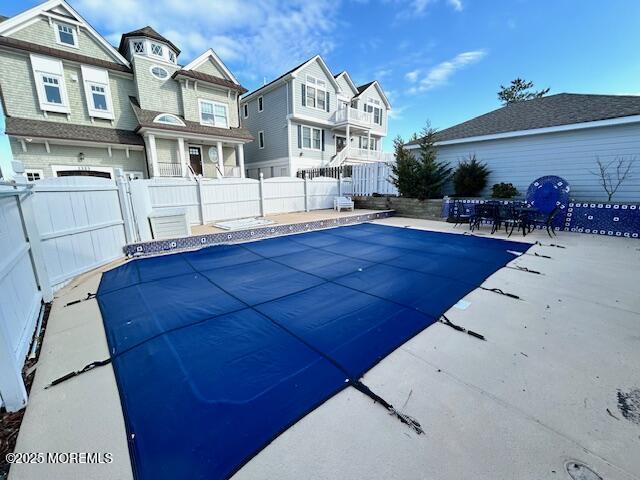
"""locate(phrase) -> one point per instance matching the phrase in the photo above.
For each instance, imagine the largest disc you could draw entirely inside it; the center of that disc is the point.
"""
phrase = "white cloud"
(412, 76)
(396, 112)
(455, 4)
(382, 73)
(263, 37)
(418, 8)
(440, 74)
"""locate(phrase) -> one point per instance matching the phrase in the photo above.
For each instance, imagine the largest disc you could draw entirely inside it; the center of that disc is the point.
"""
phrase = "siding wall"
(210, 68)
(273, 121)
(41, 33)
(38, 158)
(346, 89)
(155, 94)
(19, 91)
(571, 155)
(373, 93)
(306, 158)
(167, 150)
(316, 70)
(191, 107)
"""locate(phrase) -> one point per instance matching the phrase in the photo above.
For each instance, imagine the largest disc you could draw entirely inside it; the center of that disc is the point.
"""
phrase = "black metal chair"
(483, 213)
(507, 217)
(543, 220)
(458, 213)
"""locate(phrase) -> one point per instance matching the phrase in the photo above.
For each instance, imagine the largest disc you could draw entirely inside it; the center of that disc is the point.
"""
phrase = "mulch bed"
(10, 421)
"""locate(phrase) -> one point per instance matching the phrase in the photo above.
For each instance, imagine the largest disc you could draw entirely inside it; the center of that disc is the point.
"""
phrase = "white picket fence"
(372, 178)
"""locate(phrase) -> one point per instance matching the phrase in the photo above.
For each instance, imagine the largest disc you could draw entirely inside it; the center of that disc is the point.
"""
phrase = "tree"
(518, 91)
(404, 170)
(432, 174)
(622, 173)
(470, 177)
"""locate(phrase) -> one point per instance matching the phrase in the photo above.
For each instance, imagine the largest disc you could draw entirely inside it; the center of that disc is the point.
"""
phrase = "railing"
(353, 115)
(169, 169)
(232, 172)
(361, 155)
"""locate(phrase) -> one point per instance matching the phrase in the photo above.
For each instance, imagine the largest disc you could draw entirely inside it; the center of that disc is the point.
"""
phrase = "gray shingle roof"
(146, 117)
(204, 77)
(68, 131)
(550, 111)
(146, 32)
(362, 88)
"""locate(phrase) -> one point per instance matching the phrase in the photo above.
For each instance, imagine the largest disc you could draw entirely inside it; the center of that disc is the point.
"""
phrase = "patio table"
(524, 214)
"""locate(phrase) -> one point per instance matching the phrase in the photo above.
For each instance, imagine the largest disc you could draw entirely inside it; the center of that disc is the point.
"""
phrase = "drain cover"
(579, 471)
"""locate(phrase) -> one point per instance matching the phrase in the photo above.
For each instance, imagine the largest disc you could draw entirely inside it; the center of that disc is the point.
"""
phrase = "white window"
(172, 57)
(159, 72)
(371, 144)
(66, 35)
(311, 138)
(260, 104)
(212, 113)
(168, 119)
(260, 139)
(373, 106)
(97, 92)
(316, 93)
(245, 109)
(50, 86)
(157, 50)
(33, 174)
(138, 46)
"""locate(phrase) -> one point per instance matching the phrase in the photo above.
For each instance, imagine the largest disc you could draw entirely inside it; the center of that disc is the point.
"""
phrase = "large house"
(76, 105)
(564, 134)
(309, 118)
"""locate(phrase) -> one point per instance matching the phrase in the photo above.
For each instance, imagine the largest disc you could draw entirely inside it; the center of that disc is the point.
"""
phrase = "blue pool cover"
(218, 351)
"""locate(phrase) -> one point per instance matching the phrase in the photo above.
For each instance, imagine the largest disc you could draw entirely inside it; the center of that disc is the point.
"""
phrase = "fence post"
(33, 235)
(306, 194)
(14, 393)
(125, 205)
(200, 200)
(262, 194)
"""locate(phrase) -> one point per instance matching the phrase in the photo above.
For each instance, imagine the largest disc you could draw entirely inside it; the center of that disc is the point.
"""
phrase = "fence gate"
(20, 298)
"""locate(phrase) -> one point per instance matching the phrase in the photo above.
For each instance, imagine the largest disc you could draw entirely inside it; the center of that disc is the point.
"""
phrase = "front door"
(341, 142)
(195, 159)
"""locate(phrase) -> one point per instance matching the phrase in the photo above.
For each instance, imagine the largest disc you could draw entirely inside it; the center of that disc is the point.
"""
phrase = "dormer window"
(168, 119)
(66, 35)
(157, 50)
(172, 57)
(138, 46)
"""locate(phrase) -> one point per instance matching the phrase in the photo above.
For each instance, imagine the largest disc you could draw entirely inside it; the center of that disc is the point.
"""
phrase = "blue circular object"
(547, 193)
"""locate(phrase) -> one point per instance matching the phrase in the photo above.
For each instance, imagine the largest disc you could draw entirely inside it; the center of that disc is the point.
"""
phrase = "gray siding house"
(309, 118)
(76, 105)
(563, 134)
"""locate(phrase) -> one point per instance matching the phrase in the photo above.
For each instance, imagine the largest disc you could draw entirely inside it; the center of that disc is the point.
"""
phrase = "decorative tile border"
(155, 247)
(612, 219)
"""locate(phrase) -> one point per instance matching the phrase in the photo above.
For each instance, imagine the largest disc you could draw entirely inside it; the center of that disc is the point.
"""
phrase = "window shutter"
(359, 142)
(304, 97)
(300, 134)
(322, 139)
(327, 103)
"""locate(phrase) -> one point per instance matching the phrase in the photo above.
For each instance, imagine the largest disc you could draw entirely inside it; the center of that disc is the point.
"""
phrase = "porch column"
(220, 159)
(153, 154)
(182, 156)
(240, 155)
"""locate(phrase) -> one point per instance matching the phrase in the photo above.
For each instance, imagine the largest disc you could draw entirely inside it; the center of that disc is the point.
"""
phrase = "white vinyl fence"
(372, 178)
(208, 201)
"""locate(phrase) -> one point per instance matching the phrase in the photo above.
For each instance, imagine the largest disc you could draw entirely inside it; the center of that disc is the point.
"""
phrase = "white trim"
(78, 143)
(74, 33)
(538, 131)
(50, 67)
(317, 89)
(97, 77)
(311, 129)
(214, 103)
(261, 103)
(57, 168)
(36, 171)
(19, 21)
(380, 91)
(260, 136)
(157, 77)
(205, 56)
(180, 122)
(286, 78)
(306, 119)
(349, 81)
(205, 138)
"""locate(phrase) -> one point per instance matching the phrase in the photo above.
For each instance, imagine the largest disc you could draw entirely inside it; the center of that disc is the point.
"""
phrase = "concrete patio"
(541, 392)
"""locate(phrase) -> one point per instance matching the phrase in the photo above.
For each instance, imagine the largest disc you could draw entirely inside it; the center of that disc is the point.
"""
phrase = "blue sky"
(439, 60)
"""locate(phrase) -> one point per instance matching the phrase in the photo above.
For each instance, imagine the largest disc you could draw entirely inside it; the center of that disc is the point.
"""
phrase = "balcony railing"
(169, 169)
(348, 154)
(353, 115)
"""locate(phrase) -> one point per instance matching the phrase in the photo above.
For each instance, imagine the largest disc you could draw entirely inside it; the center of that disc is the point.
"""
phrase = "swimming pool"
(218, 351)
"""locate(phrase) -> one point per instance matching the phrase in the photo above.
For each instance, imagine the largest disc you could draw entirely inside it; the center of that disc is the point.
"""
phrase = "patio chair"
(483, 213)
(458, 213)
(544, 220)
(343, 202)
